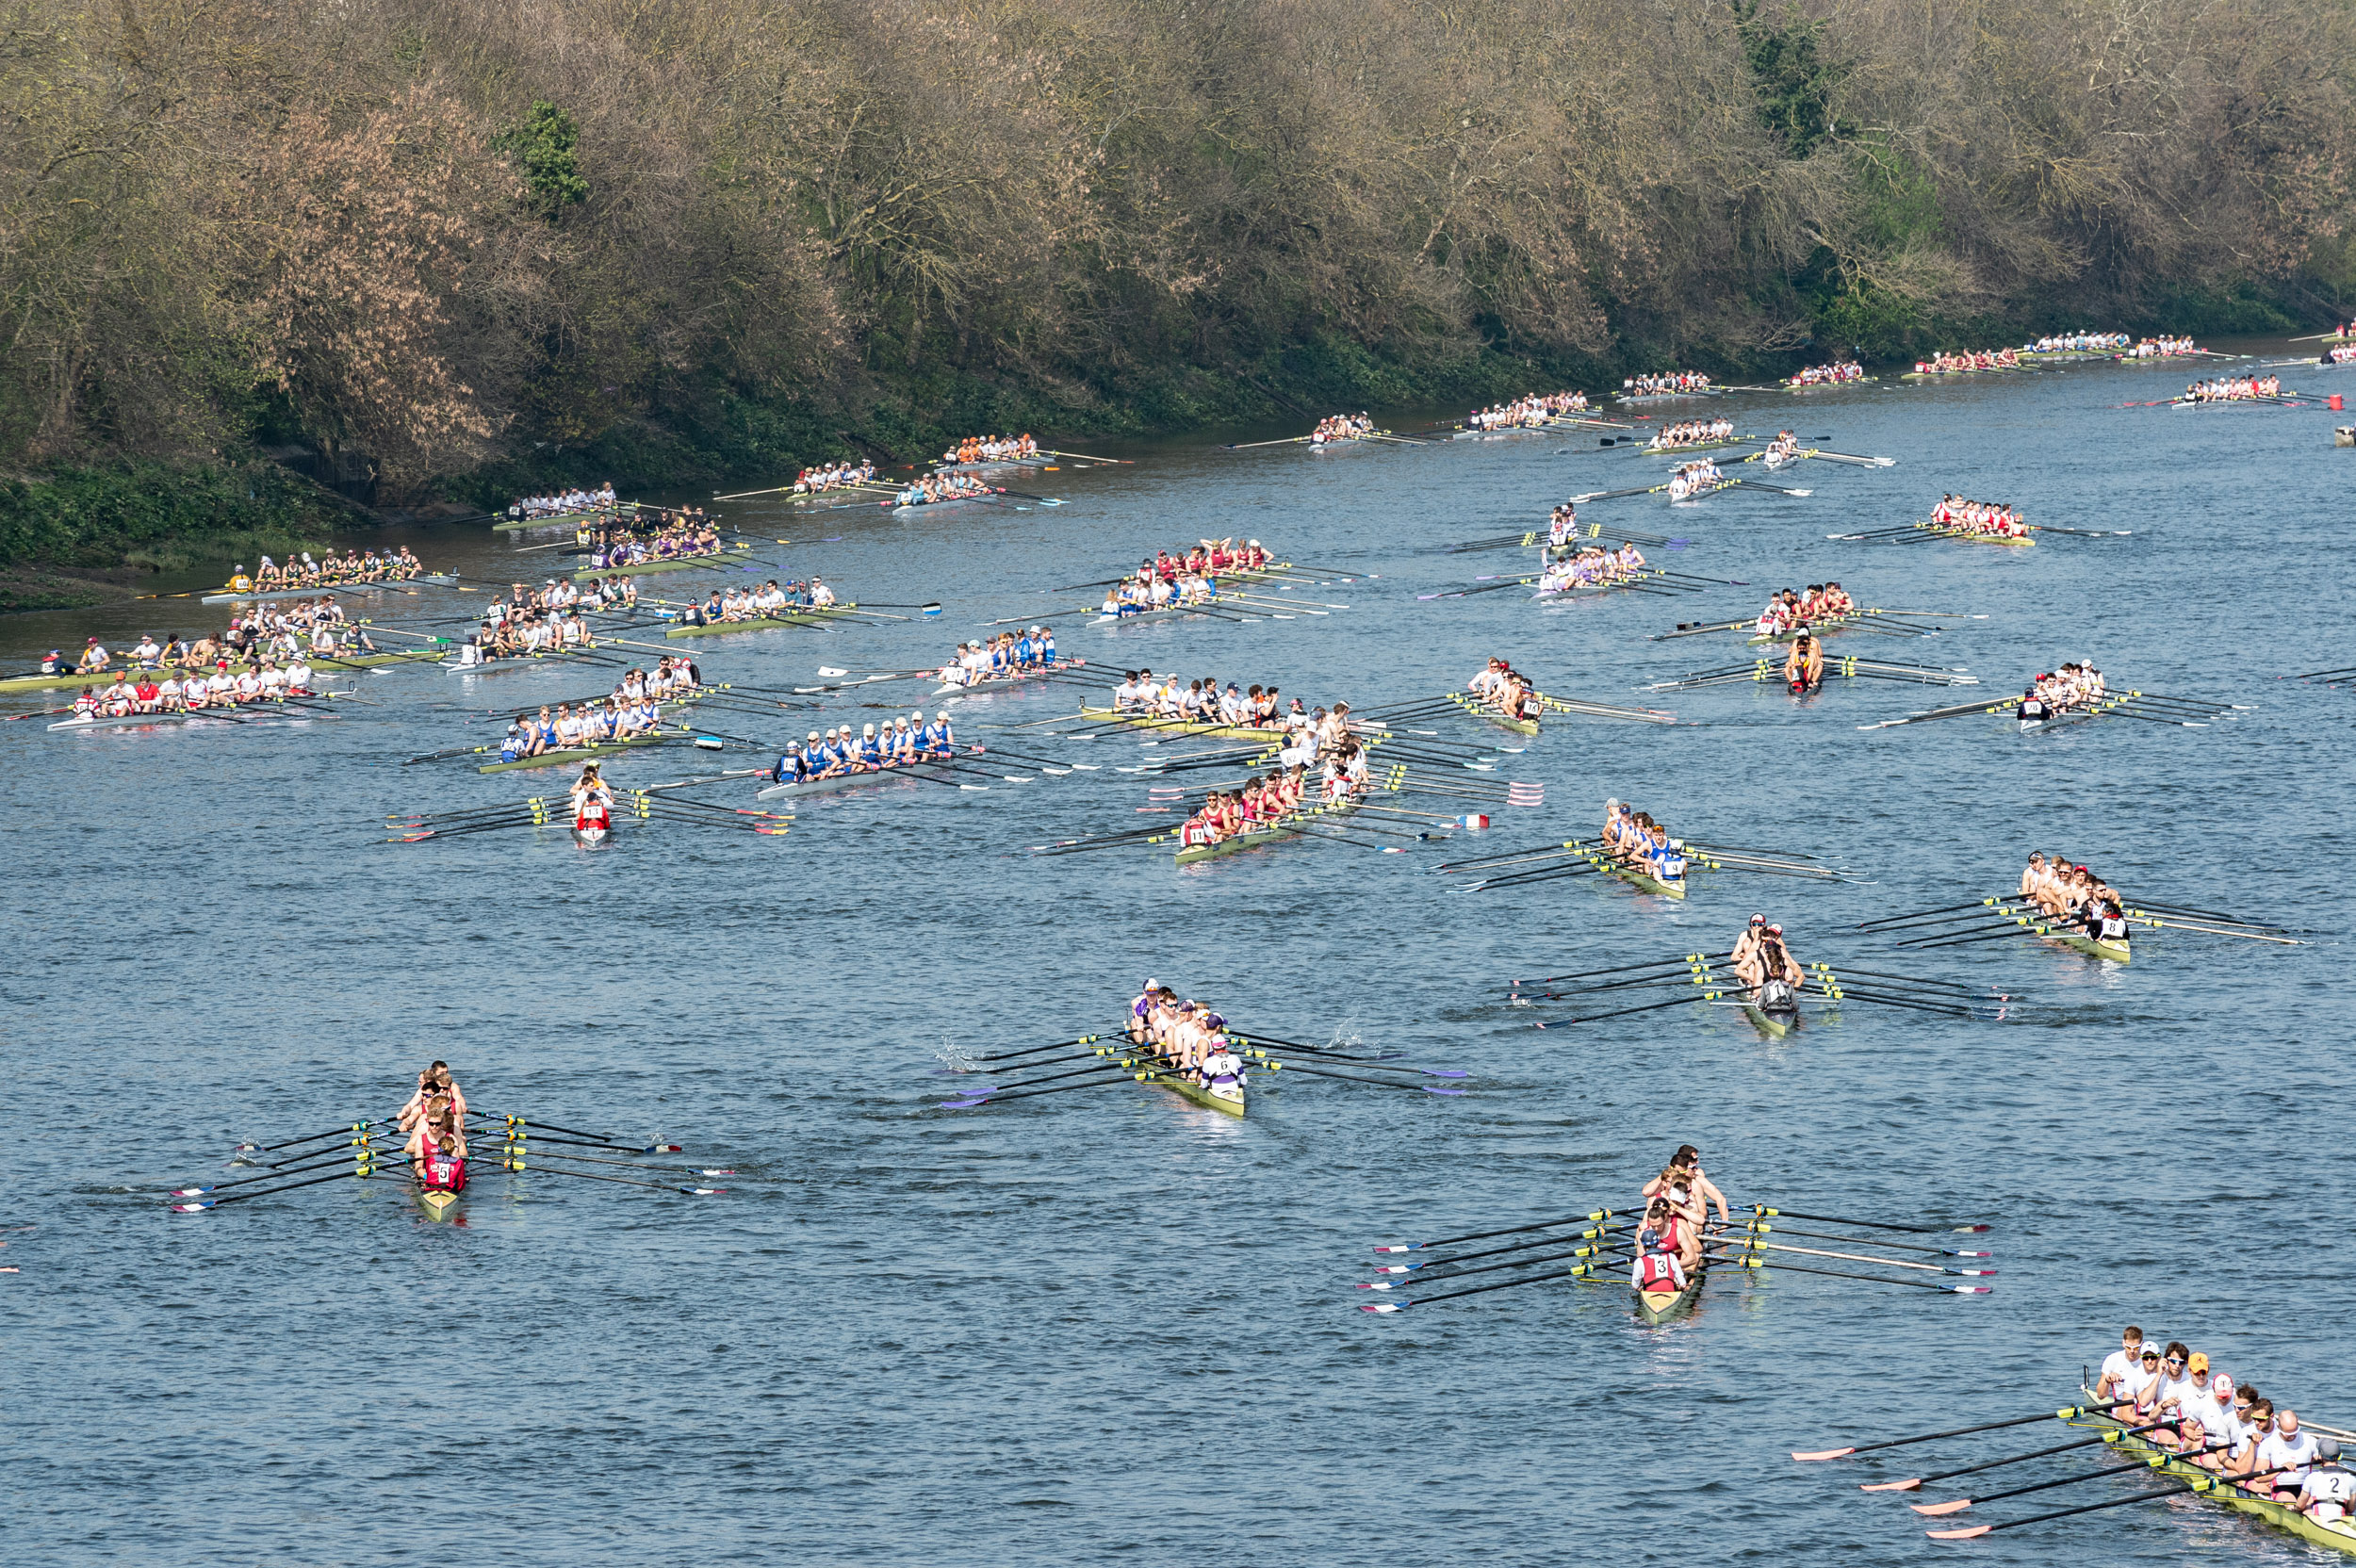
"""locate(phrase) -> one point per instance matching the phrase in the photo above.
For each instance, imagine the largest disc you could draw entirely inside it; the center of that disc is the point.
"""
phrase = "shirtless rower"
(1804, 666)
(1687, 1160)
(1766, 958)
(433, 1081)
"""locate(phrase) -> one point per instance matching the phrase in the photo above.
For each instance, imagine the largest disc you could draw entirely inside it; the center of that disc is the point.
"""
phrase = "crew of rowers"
(2055, 693)
(434, 1120)
(1341, 427)
(1826, 375)
(1188, 578)
(2161, 348)
(2205, 1418)
(1593, 566)
(1320, 737)
(1561, 527)
(1146, 588)
(1764, 963)
(1142, 694)
(1695, 479)
(1634, 839)
(2075, 895)
(1666, 384)
(1535, 412)
(397, 565)
(528, 628)
(1998, 519)
(2079, 343)
(990, 448)
(937, 487)
(770, 602)
(286, 632)
(1264, 801)
(2344, 355)
(2233, 389)
(1791, 608)
(1691, 432)
(1008, 656)
(1784, 449)
(833, 475)
(142, 691)
(633, 708)
(559, 594)
(898, 743)
(1984, 359)
(565, 503)
(1188, 1035)
(1668, 1241)
(684, 535)
(1506, 690)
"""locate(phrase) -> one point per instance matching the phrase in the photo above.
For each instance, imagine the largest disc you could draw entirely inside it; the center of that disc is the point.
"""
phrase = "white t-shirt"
(2118, 1365)
(2290, 1455)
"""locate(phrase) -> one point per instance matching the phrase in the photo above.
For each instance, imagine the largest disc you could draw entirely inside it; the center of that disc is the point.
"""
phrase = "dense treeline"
(462, 238)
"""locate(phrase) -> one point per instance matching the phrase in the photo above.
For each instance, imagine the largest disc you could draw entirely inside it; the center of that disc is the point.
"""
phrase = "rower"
(1659, 1268)
(589, 789)
(1766, 959)
(2120, 1368)
(433, 1080)
(1804, 666)
(437, 1151)
(2284, 1459)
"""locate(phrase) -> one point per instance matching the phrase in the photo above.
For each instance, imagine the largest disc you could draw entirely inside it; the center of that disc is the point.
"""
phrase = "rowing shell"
(1775, 1027)
(1656, 1307)
(2338, 1534)
(1629, 873)
(104, 677)
(557, 519)
(715, 628)
(432, 579)
(1483, 711)
(1975, 537)
(1274, 734)
(672, 563)
(852, 781)
(2116, 953)
(1222, 1094)
(435, 1203)
(1291, 827)
(577, 754)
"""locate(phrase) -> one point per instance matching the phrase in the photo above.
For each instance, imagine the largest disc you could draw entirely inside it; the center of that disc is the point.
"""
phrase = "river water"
(1107, 1325)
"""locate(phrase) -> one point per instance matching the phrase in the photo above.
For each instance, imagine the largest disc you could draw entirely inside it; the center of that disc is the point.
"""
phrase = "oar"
(1915, 1483)
(1033, 1094)
(1592, 1233)
(1510, 1231)
(200, 1206)
(330, 1133)
(521, 1164)
(1937, 1510)
(1274, 1066)
(1766, 1213)
(2062, 1415)
(1977, 1530)
(1886, 1263)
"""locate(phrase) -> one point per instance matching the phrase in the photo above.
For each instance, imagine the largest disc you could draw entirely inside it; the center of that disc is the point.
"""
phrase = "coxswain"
(2105, 922)
(239, 582)
(2329, 1492)
(793, 768)
(1804, 666)
(1219, 1061)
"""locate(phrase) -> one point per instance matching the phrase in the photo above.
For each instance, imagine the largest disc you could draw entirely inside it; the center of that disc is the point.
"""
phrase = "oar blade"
(1973, 1533)
(1940, 1510)
(1909, 1484)
(1828, 1453)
